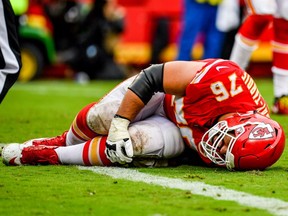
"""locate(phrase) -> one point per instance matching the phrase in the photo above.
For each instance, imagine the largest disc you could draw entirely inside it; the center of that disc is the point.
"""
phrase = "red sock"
(94, 152)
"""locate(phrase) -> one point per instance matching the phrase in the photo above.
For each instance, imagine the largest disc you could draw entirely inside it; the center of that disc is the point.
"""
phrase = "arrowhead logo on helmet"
(262, 131)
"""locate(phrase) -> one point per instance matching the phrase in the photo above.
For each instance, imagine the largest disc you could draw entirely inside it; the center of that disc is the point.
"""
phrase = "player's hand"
(119, 151)
(118, 145)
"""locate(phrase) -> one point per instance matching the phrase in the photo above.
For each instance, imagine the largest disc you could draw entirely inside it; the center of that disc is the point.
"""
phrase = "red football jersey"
(220, 87)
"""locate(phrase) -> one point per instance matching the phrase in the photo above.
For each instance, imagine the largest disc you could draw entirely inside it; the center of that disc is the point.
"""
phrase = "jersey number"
(221, 91)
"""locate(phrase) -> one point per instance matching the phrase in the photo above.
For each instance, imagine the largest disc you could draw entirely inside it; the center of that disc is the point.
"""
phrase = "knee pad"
(100, 115)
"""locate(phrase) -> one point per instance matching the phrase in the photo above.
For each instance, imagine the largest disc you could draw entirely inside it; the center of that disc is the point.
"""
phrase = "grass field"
(46, 108)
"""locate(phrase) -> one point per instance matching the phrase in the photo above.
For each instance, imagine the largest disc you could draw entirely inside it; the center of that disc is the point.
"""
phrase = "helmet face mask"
(213, 140)
(253, 142)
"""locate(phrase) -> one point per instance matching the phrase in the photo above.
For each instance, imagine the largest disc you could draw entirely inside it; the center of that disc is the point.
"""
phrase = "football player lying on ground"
(212, 106)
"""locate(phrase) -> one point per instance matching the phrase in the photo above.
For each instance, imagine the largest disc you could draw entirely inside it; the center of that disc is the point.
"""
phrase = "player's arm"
(171, 78)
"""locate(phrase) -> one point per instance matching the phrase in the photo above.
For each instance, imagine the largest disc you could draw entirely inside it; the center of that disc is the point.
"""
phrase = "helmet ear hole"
(267, 146)
(244, 163)
(276, 131)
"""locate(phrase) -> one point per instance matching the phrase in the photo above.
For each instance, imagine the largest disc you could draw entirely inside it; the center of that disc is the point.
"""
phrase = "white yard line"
(272, 205)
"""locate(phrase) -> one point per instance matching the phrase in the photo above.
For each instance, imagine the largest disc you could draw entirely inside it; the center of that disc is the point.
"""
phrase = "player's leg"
(280, 56)
(155, 140)
(73, 136)
(92, 120)
(247, 39)
(95, 119)
(88, 153)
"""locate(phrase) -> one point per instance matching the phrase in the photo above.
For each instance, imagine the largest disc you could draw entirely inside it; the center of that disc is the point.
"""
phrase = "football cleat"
(54, 141)
(21, 154)
(11, 154)
(280, 105)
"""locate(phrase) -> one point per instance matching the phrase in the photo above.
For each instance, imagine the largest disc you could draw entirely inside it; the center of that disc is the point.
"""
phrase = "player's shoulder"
(219, 64)
(217, 68)
(223, 67)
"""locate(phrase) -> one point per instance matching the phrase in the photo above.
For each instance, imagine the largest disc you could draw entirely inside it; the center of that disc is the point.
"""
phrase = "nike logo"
(218, 68)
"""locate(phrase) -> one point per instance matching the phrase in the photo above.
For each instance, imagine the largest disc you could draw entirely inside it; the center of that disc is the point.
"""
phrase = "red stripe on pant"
(81, 121)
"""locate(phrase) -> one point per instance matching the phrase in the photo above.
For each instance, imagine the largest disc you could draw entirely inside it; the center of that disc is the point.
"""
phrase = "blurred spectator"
(262, 14)
(10, 58)
(160, 39)
(65, 16)
(199, 19)
(92, 47)
(229, 16)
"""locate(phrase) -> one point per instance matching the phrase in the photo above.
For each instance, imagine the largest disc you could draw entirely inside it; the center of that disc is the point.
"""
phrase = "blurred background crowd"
(111, 39)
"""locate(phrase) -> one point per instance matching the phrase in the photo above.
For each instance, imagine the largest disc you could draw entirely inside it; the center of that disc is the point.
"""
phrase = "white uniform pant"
(153, 136)
(277, 8)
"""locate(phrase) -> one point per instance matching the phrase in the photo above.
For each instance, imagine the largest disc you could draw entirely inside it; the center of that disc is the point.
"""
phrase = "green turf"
(46, 108)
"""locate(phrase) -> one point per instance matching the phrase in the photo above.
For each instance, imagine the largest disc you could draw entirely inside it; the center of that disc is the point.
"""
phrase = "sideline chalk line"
(275, 206)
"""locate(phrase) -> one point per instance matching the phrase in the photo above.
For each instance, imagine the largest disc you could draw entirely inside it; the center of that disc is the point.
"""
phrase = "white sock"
(71, 154)
(241, 52)
(71, 139)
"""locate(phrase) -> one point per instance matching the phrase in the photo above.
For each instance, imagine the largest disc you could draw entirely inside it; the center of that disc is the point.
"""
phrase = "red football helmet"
(255, 142)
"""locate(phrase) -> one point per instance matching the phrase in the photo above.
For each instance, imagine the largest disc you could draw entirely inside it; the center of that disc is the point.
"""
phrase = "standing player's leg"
(280, 56)
(247, 38)
(260, 16)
